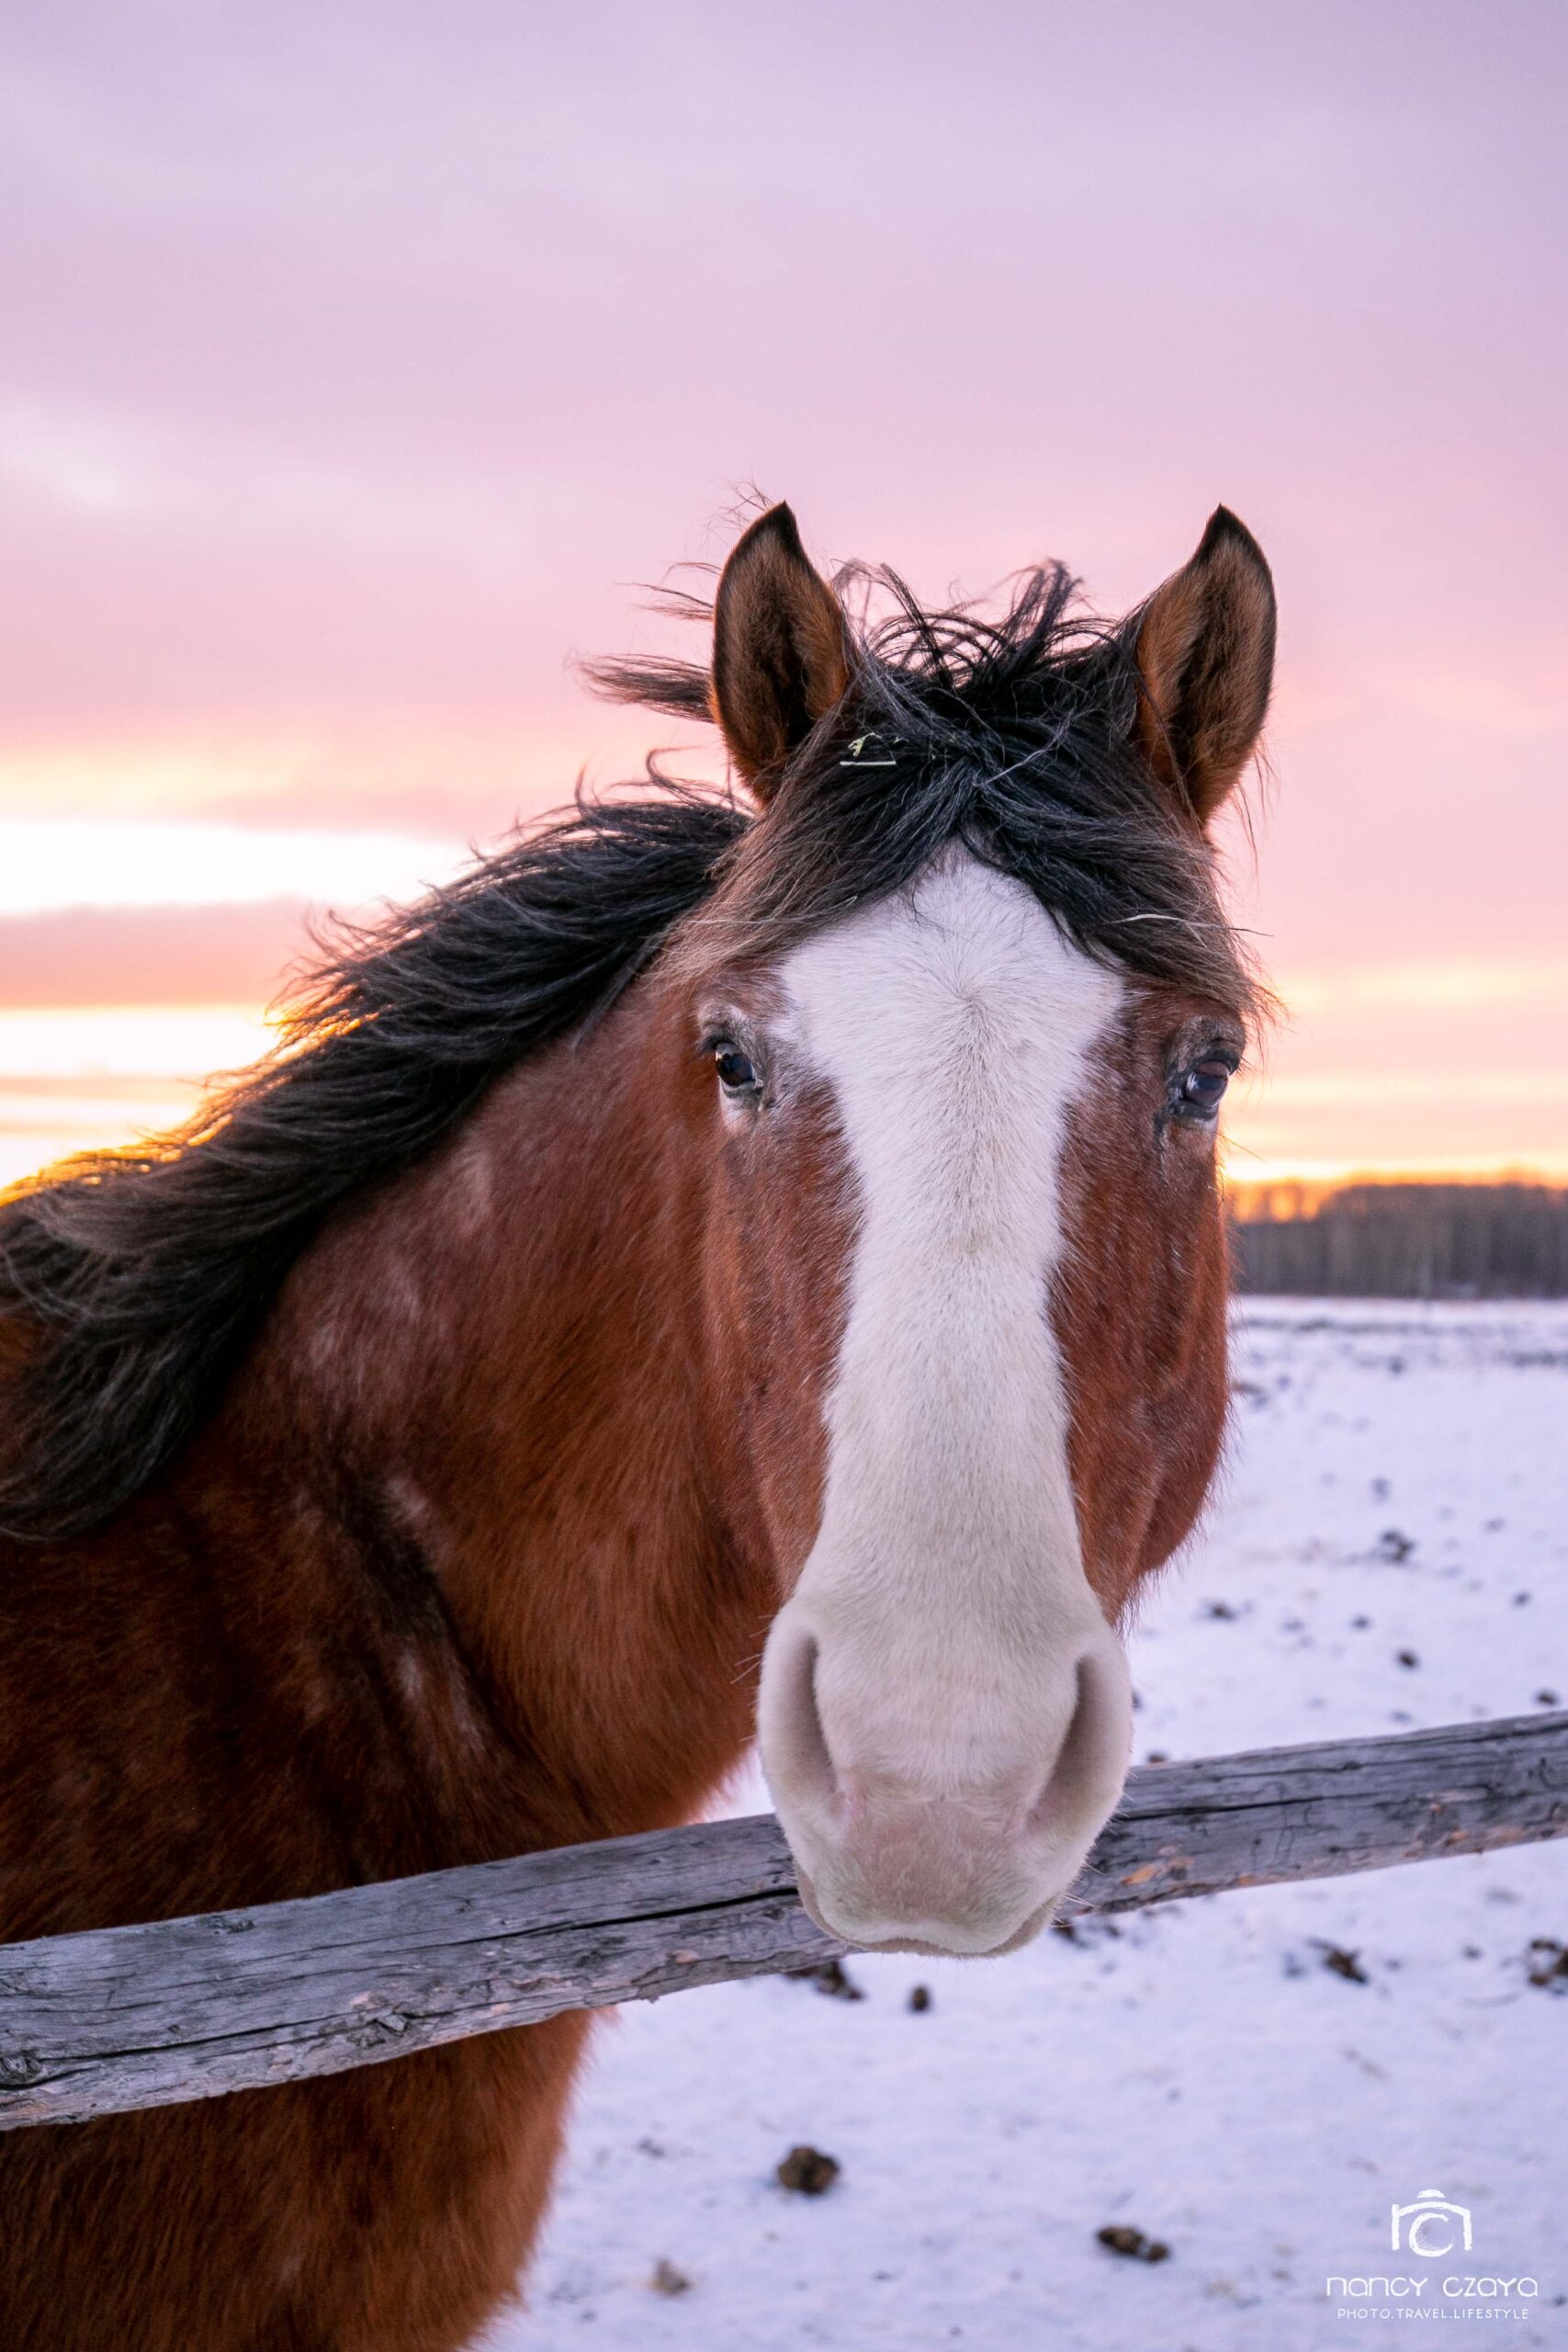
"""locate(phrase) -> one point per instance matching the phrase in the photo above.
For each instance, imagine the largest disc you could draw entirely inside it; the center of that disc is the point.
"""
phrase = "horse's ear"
(780, 649)
(1204, 647)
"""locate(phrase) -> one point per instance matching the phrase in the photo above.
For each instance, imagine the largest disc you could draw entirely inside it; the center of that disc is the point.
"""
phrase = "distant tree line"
(1507, 1240)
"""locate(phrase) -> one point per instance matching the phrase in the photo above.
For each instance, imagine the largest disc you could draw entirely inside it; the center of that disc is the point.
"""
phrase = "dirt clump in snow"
(808, 2171)
(1122, 2238)
(1546, 1964)
(829, 1976)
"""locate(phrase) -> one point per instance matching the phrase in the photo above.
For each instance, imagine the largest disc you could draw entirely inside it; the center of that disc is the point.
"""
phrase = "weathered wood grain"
(185, 2008)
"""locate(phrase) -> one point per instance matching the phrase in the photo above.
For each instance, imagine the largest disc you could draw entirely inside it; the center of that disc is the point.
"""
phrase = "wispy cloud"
(111, 862)
(1443, 983)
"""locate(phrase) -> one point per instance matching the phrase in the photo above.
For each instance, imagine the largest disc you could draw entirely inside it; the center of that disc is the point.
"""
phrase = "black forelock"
(1014, 733)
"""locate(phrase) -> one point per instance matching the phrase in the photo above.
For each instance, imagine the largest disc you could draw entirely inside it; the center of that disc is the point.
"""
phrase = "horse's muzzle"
(920, 1823)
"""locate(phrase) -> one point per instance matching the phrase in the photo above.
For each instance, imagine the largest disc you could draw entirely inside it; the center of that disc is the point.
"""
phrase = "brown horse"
(713, 1233)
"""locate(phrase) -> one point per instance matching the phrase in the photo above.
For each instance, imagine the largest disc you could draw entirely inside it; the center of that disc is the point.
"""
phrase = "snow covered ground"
(1389, 1549)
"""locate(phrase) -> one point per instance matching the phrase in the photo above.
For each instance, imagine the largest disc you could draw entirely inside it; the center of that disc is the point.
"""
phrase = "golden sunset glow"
(335, 456)
(80, 1079)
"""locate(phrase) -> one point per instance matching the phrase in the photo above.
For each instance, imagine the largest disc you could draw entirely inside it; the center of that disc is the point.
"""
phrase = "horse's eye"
(736, 1071)
(1202, 1087)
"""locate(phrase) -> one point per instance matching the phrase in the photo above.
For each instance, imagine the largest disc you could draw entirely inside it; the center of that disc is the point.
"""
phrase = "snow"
(1397, 1482)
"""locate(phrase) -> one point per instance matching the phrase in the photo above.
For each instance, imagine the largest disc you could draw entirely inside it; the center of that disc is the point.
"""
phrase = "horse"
(737, 1261)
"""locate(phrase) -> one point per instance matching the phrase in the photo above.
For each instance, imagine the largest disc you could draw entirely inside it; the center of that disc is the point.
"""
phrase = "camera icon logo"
(1429, 2225)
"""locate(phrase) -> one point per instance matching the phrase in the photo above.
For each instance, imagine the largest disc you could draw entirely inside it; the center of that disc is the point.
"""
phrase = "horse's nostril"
(1092, 1761)
(793, 1731)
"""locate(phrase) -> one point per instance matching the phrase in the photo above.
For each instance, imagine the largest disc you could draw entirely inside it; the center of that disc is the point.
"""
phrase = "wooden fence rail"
(185, 2008)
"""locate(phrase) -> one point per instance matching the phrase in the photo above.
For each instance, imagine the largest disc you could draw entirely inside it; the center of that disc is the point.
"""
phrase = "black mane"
(146, 1272)
(139, 1277)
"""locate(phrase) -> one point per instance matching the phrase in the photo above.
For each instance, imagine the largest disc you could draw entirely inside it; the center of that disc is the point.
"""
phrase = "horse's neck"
(488, 1384)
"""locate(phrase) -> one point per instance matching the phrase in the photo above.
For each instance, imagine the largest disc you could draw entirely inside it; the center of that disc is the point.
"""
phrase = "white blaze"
(938, 1635)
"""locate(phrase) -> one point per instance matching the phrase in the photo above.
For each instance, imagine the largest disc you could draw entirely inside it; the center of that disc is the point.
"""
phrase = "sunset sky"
(359, 362)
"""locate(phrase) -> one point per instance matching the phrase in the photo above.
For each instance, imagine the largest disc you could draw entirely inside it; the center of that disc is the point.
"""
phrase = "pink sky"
(358, 362)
